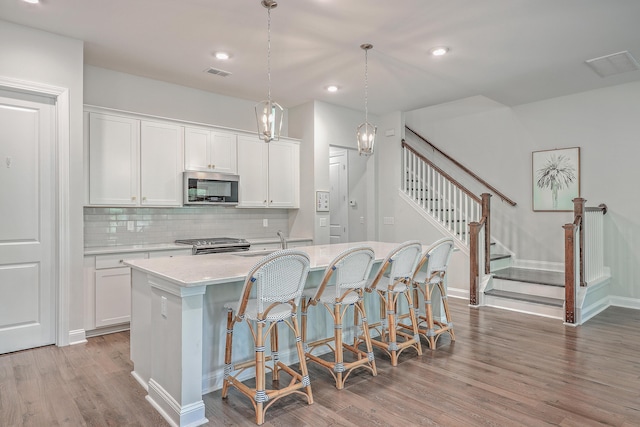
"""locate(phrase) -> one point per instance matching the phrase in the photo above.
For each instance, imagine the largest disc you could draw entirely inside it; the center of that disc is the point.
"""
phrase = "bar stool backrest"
(400, 263)
(278, 278)
(437, 260)
(349, 270)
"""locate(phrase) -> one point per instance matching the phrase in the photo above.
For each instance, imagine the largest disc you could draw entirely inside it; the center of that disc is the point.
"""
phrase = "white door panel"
(338, 198)
(27, 283)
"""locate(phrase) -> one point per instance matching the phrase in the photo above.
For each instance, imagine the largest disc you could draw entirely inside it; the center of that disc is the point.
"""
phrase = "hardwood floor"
(505, 369)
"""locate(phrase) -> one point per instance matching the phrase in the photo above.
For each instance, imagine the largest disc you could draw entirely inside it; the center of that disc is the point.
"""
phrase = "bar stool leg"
(261, 395)
(431, 335)
(391, 322)
(275, 358)
(414, 321)
(227, 354)
(338, 366)
(367, 336)
(303, 361)
(447, 313)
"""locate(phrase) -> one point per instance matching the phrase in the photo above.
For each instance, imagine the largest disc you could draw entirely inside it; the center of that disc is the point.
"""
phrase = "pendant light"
(366, 132)
(269, 113)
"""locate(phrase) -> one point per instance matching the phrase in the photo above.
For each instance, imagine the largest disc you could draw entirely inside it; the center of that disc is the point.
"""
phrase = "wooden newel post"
(578, 211)
(569, 274)
(474, 268)
(486, 213)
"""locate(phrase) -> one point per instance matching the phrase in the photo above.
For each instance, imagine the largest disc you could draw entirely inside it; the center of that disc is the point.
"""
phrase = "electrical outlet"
(389, 220)
(323, 222)
(131, 225)
(265, 222)
(163, 306)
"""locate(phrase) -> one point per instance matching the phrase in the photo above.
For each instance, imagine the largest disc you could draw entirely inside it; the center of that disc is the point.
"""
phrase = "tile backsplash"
(136, 226)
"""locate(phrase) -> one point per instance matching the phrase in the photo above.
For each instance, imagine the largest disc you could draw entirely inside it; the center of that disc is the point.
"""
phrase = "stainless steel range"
(213, 245)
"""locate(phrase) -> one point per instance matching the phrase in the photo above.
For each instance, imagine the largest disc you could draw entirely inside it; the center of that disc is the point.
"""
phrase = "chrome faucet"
(283, 242)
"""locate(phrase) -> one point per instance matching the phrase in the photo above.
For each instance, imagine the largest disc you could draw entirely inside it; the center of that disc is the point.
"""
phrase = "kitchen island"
(178, 323)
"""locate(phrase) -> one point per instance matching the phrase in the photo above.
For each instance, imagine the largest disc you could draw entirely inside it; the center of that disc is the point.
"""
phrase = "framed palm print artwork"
(556, 179)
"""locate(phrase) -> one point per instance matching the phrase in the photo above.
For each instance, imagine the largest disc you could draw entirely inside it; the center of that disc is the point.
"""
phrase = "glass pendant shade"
(366, 132)
(269, 117)
(366, 138)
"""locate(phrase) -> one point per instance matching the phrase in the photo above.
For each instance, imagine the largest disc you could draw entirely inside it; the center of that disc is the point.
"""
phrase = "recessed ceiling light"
(32, 1)
(222, 55)
(439, 51)
(332, 88)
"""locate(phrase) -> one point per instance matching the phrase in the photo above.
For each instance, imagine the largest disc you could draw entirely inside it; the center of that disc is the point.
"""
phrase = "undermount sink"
(253, 254)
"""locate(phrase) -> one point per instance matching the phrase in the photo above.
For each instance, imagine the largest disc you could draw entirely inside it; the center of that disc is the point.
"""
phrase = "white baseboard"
(625, 302)
(77, 336)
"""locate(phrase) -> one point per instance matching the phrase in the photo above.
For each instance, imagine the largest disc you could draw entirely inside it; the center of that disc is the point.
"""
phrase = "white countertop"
(151, 247)
(229, 267)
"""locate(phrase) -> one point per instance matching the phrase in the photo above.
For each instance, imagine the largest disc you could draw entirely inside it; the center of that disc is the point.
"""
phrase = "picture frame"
(555, 179)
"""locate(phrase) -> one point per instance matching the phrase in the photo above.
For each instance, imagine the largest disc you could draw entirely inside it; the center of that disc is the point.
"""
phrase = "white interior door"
(338, 197)
(27, 228)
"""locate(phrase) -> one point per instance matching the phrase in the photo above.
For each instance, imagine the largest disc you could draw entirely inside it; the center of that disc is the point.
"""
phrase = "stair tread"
(526, 297)
(499, 256)
(544, 277)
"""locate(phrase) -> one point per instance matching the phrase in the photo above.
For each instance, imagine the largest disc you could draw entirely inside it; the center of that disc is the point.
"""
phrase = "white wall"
(112, 89)
(332, 125)
(496, 142)
(41, 57)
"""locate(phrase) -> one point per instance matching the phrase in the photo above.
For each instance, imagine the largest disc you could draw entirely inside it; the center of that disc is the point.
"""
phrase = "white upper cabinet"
(269, 173)
(207, 150)
(114, 165)
(253, 166)
(134, 162)
(161, 151)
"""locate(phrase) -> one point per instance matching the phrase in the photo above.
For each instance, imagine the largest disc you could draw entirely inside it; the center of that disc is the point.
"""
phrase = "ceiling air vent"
(615, 63)
(217, 72)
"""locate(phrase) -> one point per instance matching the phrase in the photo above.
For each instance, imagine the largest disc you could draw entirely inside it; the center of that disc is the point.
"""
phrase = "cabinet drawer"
(170, 253)
(115, 260)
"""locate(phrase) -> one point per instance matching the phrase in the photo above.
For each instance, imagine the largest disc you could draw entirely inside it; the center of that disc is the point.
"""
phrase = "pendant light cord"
(366, 85)
(269, 51)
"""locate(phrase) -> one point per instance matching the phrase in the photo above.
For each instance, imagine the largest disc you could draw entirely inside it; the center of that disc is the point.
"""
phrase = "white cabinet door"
(113, 296)
(284, 174)
(253, 170)
(114, 144)
(161, 153)
(212, 151)
(196, 149)
(223, 152)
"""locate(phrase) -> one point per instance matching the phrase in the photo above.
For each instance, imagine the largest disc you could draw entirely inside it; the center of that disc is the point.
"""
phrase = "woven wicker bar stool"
(341, 287)
(277, 281)
(431, 273)
(392, 280)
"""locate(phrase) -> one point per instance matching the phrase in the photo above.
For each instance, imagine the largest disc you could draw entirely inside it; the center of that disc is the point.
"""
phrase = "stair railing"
(479, 247)
(583, 252)
(435, 191)
(463, 167)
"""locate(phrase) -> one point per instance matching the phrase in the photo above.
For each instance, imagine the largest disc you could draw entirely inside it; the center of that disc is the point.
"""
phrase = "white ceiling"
(511, 51)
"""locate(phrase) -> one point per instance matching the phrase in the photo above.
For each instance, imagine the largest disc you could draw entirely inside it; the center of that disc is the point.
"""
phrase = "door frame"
(62, 225)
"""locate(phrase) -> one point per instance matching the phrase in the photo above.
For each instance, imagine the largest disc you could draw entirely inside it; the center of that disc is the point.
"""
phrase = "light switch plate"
(322, 201)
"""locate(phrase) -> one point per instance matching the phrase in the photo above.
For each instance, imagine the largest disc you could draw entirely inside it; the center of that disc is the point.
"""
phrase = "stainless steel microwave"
(210, 188)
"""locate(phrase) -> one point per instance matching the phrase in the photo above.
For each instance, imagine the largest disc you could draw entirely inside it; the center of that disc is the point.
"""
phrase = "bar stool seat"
(393, 280)
(342, 286)
(277, 281)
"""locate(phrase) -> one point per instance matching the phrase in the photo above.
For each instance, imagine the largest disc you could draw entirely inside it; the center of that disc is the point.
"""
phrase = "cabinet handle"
(209, 166)
(270, 201)
(213, 166)
(133, 197)
(265, 201)
(144, 199)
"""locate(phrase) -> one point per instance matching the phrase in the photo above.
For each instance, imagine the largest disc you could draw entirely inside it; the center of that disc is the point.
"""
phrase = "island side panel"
(140, 332)
(175, 385)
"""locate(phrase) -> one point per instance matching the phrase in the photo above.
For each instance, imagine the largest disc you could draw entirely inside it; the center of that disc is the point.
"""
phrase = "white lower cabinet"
(113, 296)
(107, 285)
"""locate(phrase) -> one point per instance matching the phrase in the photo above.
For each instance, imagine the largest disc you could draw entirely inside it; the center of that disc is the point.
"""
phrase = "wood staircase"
(533, 291)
